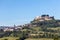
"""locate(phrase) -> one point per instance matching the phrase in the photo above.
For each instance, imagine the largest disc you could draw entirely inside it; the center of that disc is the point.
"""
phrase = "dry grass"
(39, 39)
(9, 38)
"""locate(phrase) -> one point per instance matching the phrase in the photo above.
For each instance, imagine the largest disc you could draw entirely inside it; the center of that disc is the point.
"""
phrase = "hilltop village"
(43, 26)
(43, 17)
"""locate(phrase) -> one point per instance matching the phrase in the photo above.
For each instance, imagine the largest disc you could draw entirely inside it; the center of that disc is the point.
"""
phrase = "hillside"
(45, 21)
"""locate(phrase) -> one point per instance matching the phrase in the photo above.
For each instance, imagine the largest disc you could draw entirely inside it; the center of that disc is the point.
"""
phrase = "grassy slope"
(39, 39)
(9, 38)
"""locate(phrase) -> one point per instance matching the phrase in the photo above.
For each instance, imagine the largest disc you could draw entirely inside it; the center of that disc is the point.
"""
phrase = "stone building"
(43, 17)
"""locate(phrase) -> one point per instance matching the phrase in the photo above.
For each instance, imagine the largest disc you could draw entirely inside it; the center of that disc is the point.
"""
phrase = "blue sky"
(23, 11)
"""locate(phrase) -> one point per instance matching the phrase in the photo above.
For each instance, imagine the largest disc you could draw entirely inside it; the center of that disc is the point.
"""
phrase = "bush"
(56, 37)
(5, 39)
(17, 39)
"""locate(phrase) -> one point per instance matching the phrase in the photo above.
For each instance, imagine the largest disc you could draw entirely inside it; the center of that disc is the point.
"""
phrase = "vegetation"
(46, 30)
(9, 38)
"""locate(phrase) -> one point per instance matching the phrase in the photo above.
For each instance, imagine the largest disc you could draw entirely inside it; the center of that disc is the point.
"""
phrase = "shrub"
(5, 39)
(17, 39)
(55, 38)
